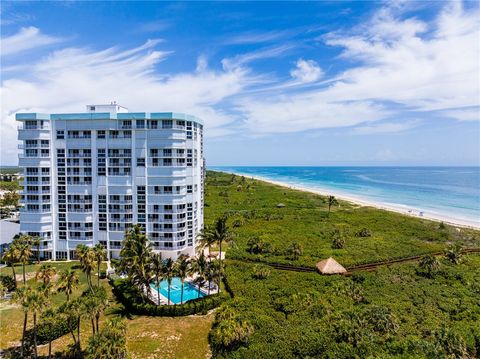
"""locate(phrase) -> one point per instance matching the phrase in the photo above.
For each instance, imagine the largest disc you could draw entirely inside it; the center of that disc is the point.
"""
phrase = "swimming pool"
(189, 291)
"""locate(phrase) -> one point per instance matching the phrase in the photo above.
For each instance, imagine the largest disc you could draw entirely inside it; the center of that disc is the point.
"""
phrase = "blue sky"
(286, 83)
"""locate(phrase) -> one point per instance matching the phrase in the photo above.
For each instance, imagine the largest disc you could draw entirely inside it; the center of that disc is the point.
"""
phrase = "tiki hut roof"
(330, 266)
(280, 205)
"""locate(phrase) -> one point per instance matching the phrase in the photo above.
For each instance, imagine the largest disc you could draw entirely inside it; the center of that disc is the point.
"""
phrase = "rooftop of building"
(111, 111)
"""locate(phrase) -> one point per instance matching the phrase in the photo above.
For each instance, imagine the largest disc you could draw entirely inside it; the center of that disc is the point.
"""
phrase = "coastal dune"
(398, 208)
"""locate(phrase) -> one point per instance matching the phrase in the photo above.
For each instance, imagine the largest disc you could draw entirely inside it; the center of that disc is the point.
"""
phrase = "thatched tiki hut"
(330, 266)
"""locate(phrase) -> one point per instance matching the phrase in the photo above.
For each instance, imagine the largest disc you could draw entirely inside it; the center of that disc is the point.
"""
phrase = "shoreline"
(398, 208)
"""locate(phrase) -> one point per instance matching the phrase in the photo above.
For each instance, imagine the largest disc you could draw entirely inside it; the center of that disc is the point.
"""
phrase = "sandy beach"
(414, 212)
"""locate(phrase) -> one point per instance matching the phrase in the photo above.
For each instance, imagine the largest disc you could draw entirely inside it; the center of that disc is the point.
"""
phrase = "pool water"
(189, 291)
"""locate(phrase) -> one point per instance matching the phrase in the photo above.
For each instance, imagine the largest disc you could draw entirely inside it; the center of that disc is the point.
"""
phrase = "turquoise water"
(448, 191)
(189, 291)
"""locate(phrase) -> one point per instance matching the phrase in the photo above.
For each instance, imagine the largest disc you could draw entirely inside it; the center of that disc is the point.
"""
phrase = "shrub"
(430, 265)
(363, 233)
(7, 282)
(52, 325)
(454, 253)
(229, 331)
(451, 343)
(261, 271)
(256, 246)
(110, 342)
(382, 320)
(338, 243)
(295, 250)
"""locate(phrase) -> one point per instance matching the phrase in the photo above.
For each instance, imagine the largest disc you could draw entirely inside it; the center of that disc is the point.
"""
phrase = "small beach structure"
(280, 205)
(330, 266)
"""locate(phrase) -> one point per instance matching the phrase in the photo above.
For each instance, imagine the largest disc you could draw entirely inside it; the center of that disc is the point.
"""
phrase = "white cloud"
(26, 39)
(306, 71)
(68, 79)
(419, 66)
(264, 53)
(468, 114)
(386, 127)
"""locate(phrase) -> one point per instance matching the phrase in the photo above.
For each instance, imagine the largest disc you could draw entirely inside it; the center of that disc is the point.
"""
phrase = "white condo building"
(90, 176)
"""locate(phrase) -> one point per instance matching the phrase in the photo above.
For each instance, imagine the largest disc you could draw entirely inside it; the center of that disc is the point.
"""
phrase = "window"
(141, 162)
(189, 189)
(100, 134)
(92, 108)
(167, 124)
(140, 124)
(60, 135)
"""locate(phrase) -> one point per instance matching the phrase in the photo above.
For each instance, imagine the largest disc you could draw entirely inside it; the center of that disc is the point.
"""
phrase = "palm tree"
(110, 342)
(199, 267)
(11, 256)
(45, 273)
(211, 273)
(295, 250)
(157, 269)
(37, 302)
(430, 264)
(21, 297)
(101, 303)
(75, 310)
(87, 258)
(24, 254)
(68, 281)
(221, 234)
(183, 269)
(100, 254)
(453, 253)
(332, 201)
(206, 238)
(35, 242)
(135, 258)
(169, 273)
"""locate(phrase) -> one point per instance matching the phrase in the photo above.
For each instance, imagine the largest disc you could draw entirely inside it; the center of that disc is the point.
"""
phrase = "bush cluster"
(52, 327)
(8, 282)
(130, 297)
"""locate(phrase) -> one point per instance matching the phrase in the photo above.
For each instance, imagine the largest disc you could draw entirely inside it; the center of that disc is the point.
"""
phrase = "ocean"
(450, 192)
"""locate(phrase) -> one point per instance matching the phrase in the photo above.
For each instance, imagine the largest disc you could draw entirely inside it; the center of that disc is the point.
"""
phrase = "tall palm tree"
(22, 297)
(206, 238)
(135, 258)
(211, 273)
(222, 234)
(169, 273)
(37, 302)
(199, 267)
(182, 269)
(45, 273)
(75, 310)
(68, 281)
(81, 252)
(157, 270)
(332, 201)
(100, 254)
(35, 242)
(11, 256)
(101, 303)
(24, 254)
(87, 258)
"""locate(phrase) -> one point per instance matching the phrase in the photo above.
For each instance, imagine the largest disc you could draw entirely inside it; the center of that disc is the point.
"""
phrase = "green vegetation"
(263, 231)
(427, 309)
(420, 309)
